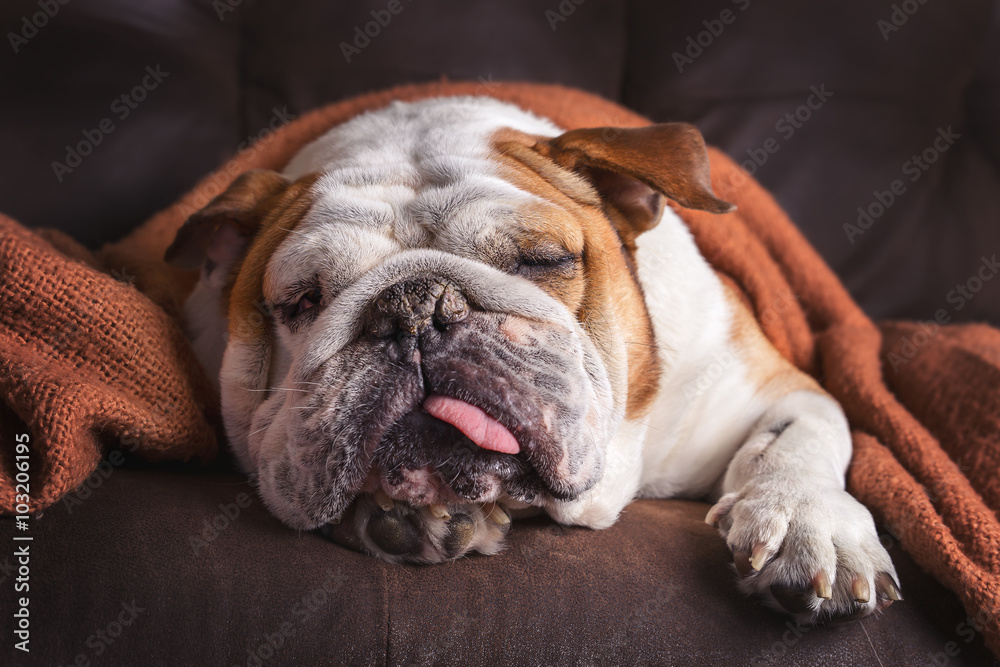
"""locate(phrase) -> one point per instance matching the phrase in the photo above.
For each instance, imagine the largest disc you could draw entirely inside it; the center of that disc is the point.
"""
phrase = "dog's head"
(437, 300)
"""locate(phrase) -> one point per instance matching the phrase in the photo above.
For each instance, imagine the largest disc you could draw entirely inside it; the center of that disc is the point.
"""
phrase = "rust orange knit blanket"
(91, 354)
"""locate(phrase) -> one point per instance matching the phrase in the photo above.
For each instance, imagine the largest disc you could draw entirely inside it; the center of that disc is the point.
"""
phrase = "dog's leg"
(798, 538)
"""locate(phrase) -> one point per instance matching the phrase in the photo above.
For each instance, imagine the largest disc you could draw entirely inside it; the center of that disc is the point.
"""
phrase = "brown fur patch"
(281, 213)
(766, 368)
(604, 293)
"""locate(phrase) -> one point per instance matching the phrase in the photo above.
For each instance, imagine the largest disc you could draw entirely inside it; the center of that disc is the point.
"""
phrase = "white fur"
(413, 184)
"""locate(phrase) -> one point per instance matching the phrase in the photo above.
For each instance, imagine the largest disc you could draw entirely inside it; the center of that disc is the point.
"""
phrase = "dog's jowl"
(446, 314)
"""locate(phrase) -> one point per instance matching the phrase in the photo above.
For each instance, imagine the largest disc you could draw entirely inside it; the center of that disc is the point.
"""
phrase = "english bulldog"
(443, 315)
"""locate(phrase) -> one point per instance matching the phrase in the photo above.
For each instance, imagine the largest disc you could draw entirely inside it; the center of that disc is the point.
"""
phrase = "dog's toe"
(399, 532)
(812, 553)
(461, 532)
(395, 533)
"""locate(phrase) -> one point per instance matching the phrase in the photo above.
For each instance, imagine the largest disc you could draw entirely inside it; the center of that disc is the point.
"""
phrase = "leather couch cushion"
(219, 581)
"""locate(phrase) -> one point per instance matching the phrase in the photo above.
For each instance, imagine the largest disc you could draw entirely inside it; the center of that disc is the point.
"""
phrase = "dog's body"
(445, 312)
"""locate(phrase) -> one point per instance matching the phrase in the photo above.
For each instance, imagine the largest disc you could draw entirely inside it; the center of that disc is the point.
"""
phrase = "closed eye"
(546, 259)
(302, 308)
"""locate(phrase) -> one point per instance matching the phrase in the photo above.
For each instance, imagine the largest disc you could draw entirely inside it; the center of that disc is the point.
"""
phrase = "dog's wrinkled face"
(436, 301)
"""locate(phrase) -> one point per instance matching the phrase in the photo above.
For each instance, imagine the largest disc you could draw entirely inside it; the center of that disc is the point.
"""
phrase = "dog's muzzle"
(438, 399)
(448, 448)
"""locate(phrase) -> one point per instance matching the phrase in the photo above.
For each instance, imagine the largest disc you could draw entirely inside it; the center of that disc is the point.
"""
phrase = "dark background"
(236, 67)
(656, 588)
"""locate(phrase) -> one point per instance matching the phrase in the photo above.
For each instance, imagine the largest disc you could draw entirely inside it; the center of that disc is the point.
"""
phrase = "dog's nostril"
(412, 307)
(451, 308)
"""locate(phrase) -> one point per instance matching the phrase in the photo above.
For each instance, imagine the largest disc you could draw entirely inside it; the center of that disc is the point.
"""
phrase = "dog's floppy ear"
(633, 168)
(217, 235)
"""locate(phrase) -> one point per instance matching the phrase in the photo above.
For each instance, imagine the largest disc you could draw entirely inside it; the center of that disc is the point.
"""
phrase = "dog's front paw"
(811, 552)
(399, 532)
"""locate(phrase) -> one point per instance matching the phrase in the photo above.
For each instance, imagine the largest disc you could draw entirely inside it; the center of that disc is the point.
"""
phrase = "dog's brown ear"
(633, 168)
(217, 234)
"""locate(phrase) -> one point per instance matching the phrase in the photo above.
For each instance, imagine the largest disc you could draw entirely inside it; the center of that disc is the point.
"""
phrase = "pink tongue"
(477, 426)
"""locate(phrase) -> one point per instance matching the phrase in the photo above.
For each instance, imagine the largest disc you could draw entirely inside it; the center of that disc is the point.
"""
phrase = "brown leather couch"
(111, 110)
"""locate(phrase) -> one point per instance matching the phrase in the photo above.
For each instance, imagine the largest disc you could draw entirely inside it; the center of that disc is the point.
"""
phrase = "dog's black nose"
(410, 307)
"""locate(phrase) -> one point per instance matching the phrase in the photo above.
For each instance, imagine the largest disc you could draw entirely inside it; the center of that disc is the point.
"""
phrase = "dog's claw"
(714, 515)
(860, 590)
(496, 514)
(439, 512)
(383, 500)
(759, 556)
(822, 586)
(888, 586)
